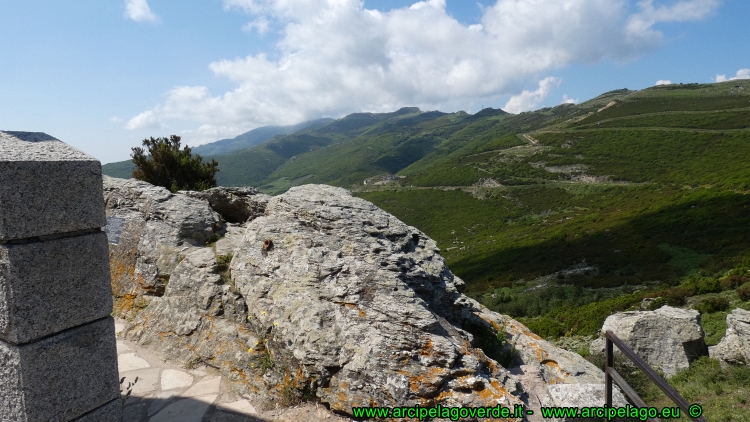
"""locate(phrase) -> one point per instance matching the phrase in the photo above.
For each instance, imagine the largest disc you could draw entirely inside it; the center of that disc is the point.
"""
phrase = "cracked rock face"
(735, 346)
(363, 303)
(667, 338)
(331, 296)
(156, 230)
(236, 205)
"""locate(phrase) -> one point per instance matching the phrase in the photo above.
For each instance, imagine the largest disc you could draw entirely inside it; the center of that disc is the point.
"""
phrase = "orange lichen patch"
(123, 304)
(123, 277)
(362, 313)
(239, 374)
(426, 381)
(553, 373)
(491, 395)
(426, 349)
(494, 324)
(516, 328)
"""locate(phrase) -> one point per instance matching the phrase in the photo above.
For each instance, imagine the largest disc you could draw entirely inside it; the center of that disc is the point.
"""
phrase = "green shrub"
(744, 292)
(168, 166)
(734, 281)
(676, 296)
(222, 266)
(545, 327)
(657, 303)
(703, 285)
(709, 285)
(713, 304)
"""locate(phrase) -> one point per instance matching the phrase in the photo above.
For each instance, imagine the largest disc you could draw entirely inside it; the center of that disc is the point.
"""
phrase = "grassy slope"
(658, 189)
(121, 169)
(670, 207)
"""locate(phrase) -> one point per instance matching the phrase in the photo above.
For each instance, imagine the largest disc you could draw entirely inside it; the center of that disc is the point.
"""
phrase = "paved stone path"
(168, 392)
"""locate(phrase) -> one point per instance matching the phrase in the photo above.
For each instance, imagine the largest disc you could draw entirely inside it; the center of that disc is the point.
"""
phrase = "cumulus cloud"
(139, 11)
(640, 26)
(261, 25)
(741, 74)
(663, 82)
(336, 56)
(528, 100)
(145, 120)
(568, 100)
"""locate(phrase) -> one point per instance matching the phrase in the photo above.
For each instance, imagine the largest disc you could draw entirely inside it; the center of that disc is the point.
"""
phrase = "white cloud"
(741, 74)
(139, 11)
(528, 100)
(640, 25)
(208, 133)
(336, 57)
(145, 120)
(663, 82)
(568, 100)
(262, 25)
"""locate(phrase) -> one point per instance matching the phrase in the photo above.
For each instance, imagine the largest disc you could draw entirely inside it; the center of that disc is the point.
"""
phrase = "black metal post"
(607, 377)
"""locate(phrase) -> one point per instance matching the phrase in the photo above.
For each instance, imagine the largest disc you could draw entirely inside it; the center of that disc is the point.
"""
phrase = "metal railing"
(610, 374)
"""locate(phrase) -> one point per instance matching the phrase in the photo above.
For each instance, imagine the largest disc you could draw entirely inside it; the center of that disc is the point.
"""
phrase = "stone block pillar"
(58, 357)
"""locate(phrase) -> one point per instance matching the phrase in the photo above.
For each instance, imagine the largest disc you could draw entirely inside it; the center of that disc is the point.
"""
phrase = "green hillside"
(123, 169)
(559, 216)
(563, 215)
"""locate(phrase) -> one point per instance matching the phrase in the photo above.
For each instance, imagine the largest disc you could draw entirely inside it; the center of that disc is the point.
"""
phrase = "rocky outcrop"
(735, 346)
(668, 338)
(235, 205)
(328, 295)
(150, 230)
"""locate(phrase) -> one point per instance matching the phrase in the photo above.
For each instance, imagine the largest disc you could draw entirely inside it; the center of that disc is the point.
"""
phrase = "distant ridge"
(123, 169)
(255, 137)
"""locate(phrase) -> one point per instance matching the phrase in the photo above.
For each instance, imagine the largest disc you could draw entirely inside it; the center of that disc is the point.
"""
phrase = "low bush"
(657, 303)
(744, 292)
(734, 281)
(545, 327)
(676, 296)
(713, 304)
(703, 286)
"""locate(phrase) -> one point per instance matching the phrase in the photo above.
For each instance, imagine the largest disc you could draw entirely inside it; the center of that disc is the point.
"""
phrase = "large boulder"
(735, 346)
(150, 230)
(331, 296)
(668, 338)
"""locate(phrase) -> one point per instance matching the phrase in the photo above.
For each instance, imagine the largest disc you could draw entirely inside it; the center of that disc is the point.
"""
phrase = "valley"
(562, 216)
(647, 188)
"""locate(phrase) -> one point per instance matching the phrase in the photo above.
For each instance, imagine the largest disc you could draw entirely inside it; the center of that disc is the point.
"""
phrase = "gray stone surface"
(47, 187)
(156, 229)
(172, 378)
(668, 338)
(110, 412)
(53, 285)
(343, 299)
(60, 377)
(735, 346)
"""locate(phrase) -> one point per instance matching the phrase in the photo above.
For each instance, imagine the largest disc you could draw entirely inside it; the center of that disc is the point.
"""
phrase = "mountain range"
(558, 217)
(507, 195)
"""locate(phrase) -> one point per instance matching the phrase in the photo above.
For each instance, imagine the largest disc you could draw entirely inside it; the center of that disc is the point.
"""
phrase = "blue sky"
(103, 75)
